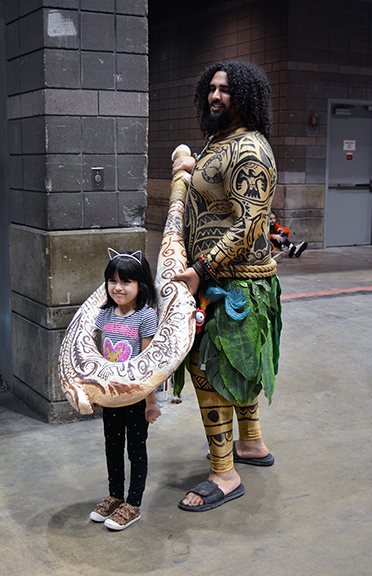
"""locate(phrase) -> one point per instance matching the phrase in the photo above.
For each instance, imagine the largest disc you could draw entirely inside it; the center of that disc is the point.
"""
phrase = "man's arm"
(249, 184)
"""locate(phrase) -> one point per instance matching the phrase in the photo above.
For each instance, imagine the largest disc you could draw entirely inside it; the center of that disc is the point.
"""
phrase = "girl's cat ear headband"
(137, 256)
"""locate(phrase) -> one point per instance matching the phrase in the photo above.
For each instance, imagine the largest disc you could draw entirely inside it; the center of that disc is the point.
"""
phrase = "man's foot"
(212, 496)
(251, 448)
(262, 461)
(267, 460)
(300, 248)
(226, 481)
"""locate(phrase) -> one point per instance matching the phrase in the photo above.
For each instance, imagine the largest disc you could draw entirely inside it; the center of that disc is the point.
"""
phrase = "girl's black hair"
(131, 269)
(250, 94)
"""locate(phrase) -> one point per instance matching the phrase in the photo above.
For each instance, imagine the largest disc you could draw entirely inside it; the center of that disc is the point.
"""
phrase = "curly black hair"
(130, 269)
(250, 94)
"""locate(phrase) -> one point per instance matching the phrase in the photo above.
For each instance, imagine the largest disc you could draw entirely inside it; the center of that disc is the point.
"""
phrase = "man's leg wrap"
(217, 415)
(248, 421)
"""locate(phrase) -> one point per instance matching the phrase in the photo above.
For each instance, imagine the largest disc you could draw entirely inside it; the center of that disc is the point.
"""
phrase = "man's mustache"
(218, 103)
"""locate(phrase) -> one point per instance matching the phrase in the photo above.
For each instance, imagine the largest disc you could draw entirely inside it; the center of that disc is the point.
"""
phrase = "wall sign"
(349, 145)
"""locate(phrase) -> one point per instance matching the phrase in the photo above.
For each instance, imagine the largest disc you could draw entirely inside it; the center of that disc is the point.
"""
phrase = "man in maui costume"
(231, 271)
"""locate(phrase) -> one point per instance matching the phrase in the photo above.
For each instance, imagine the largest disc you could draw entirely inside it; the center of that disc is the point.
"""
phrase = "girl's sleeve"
(286, 230)
(280, 227)
(149, 324)
(100, 320)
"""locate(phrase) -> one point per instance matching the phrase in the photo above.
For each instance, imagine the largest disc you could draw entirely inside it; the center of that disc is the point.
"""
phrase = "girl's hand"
(152, 412)
(191, 278)
(183, 163)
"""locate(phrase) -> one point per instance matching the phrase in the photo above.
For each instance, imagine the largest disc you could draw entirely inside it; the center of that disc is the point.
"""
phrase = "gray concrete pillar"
(300, 207)
(77, 108)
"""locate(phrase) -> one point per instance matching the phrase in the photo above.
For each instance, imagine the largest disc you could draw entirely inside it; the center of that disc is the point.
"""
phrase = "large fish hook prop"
(86, 376)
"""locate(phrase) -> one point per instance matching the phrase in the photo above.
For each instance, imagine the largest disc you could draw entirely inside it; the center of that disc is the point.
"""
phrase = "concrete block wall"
(52, 273)
(183, 41)
(329, 56)
(310, 50)
(77, 100)
(300, 208)
(77, 78)
(6, 366)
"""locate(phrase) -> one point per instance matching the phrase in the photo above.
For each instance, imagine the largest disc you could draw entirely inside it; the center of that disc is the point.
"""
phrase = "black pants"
(126, 421)
(283, 242)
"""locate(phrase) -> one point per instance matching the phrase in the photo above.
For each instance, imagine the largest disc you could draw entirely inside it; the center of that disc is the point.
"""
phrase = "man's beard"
(214, 123)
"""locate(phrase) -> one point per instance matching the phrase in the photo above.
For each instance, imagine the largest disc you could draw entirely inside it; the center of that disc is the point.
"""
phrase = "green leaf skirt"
(240, 357)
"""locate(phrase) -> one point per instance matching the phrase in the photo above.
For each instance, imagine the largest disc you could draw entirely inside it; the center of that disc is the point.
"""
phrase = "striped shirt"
(122, 336)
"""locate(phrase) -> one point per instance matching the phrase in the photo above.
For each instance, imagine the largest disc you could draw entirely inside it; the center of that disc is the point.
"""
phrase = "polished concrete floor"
(308, 515)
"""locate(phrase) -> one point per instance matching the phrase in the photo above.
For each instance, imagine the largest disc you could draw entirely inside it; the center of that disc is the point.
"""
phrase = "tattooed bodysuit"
(227, 219)
(228, 202)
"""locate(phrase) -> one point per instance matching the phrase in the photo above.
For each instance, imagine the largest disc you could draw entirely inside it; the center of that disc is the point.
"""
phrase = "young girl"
(127, 323)
(279, 241)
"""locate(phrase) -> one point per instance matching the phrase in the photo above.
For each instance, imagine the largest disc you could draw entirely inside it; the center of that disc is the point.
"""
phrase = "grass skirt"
(240, 357)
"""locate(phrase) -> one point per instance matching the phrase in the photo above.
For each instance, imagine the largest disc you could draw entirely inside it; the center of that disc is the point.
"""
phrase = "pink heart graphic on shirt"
(120, 352)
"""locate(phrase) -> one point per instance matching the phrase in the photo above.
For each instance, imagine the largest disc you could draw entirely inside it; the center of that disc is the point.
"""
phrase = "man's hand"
(191, 278)
(183, 163)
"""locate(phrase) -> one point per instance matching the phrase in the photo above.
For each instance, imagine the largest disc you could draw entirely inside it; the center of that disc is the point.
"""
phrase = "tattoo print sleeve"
(239, 178)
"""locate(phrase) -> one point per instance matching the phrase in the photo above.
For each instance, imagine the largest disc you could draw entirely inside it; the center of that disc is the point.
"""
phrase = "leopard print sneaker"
(105, 509)
(124, 516)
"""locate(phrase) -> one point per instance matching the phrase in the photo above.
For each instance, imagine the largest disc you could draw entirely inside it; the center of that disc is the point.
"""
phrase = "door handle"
(349, 185)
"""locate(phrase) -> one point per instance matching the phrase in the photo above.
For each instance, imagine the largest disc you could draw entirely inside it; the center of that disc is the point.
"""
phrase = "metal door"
(348, 202)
